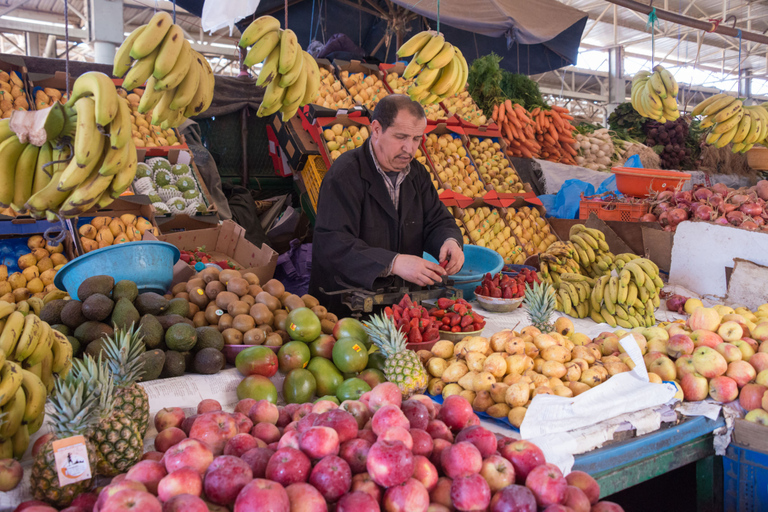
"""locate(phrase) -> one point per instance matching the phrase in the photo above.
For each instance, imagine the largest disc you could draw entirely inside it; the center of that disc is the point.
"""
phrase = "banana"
(621, 313)
(653, 102)
(6, 308)
(36, 394)
(5, 130)
(728, 112)
(571, 291)
(754, 129)
(596, 316)
(150, 97)
(443, 57)
(42, 178)
(43, 347)
(632, 294)
(719, 105)
(124, 177)
(294, 94)
(152, 36)
(648, 266)
(168, 52)
(179, 70)
(313, 79)
(273, 94)
(726, 137)
(670, 84)
(122, 62)
(14, 414)
(713, 137)
(34, 426)
(101, 87)
(36, 303)
(10, 381)
(427, 77)
(20, 441)
(62, 352)
(50, 198)
(269, 70)
(448, 76)
(23, 307)
(10, 152)
(566, 301)
(289, 51)
(6, 448)
(265, 110)
(30, 337)
(415, 44)
(262, 48)
(461, 83)
(294, 73)
(188, 87)
(54, 295)
(211, 82)
(430, 50)
(46, 373)
(573, 277)
(197, 103)
(658, 85)
(24, 177)
(699, 109)
(162, 109)
(120, 127)
(729, 123)
(608, 317)
(636, 271)
(74, 175)
(88, 141)
(412, 69)
(258, 30)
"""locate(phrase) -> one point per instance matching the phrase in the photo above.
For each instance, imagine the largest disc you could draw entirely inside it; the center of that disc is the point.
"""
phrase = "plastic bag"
(633, 162)
(609, 185)
(218, 14)
(567, 199)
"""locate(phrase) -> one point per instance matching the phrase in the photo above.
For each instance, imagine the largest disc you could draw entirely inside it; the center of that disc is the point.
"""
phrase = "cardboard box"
(355, 67)
(750, 435)
(180, 155)
(225, 241)
(183, 222)
(657, 244)
(294, 141)
(316, 131)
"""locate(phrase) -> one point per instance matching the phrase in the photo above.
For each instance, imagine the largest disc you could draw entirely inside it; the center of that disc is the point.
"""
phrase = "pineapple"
(540, 301)
(122, 351)
(403, 366)
(74, 412)
(119, 445)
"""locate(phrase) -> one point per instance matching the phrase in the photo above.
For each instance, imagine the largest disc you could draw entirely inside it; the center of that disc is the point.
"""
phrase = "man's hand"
(418, 270)
(451, 249)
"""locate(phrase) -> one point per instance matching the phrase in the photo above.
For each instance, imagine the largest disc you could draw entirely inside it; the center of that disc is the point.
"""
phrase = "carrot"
(508, 105)
(561, 110)
(567, 116)
(535, 111)
(495, 114)
(508, 132)
(553, 131)
(556, 120)
(526, 153)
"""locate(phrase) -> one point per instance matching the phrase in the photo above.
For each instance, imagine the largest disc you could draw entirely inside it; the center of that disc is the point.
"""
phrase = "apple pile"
(456, 315)
(503, 286)
(376, 453)
(719, 352)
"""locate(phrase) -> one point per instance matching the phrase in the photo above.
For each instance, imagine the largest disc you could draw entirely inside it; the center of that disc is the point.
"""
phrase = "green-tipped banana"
(122, 62)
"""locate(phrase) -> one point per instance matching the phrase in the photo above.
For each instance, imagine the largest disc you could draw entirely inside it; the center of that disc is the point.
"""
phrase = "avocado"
(95, 284)
(181, 337)
(51, 312)
(97, 307)
(178, 307)
(175, 364)
(152, 330)
(209, 337)
(153, 364)
(189, 359)
(63, 329)
(125, 315)
(168, 320)
(72, 314)
(75, 344)
(125, 290)
(95, 348)
(90, 331)
(208, 361)
(150, 303)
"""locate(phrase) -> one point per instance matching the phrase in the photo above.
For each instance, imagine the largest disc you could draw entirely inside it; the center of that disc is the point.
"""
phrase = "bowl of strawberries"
(504, 292)
(456, 319)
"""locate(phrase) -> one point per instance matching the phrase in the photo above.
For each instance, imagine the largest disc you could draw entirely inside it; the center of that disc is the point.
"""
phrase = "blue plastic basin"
(478, 261)
(149, 264)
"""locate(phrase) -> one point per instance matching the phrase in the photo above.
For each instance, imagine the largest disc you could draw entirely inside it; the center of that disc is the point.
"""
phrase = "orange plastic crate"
(608, 207)
(313, 173)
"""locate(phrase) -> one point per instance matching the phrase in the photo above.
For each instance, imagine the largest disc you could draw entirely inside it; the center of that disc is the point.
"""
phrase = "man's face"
(396, 147)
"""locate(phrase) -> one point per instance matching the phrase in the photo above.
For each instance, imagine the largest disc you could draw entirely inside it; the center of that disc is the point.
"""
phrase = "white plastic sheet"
(218, 14)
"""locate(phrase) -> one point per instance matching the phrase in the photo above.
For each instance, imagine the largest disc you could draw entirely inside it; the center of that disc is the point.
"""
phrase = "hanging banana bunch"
(439, 68)
(291, 76)
(89, 163)
(732, 122)
(179, 80)
(654, 95)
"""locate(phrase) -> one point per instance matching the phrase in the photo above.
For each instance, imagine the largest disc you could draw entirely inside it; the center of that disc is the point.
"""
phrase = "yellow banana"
(699, 109)
(122, 62)
(728, 111)
(269, 70)
(670, 84)
(179, 70)
(120, 127)
(89, 142)
(140, 72)
(24, 177)
(195, 106)
(294, 94)
(124, 177)
(719, 105)
(713, 137)
(743, 130)
(427, 77)
(35, 392)
(724, 126)
(14, 414)
(258, 30)
(42, 178)
(30, 337)
(414, 44)
(10, 381)
(273, 94)
(430, 50)
(101, 87)
(657, 85)
(46, 372)
(50, 197)
(150, 97)
(726, 137)
(168, 52)
(43, 346)
(294, 73)
(152, 35)
(162, 109)
(62, 351)
(20, 441)
(74, 175)
(34, 425)
(187, 89)
(36, 303)
(448, 77)
(443, 57)
(412, 69)
(289, 51)
(6, 308)
(313, 79)
(10, 151)
(262, 48)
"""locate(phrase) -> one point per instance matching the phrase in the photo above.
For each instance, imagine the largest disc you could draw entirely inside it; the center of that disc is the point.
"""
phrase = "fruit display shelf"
(317, 128)
(332, 93)
(363, 82)
(486, 226)
(488, 153)
(450, 162)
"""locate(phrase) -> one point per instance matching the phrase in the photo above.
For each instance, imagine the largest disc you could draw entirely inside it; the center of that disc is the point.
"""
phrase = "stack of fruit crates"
(313, 174)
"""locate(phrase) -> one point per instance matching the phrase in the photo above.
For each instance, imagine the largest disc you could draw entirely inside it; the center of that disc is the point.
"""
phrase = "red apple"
(751, 396)
(723, 389)
(695, 387)
(422, 442)
(301, 411)
(288, 466)
(606, 506)
(514, 498)
(455, 412)
(357, 501)
(305, 498)
(332, 477)
(470, 492)
(185, 503)
(557, 508)
(410, 496)
(169, 437)
(386, 417)
(244, 423)
(257, 459)
(261, 495)
(306, 422)
(586, 483)
(290, 439)
(427, 402)
(132, 500)
(244, 405)
(181, 481)
(264, 411)
(225, 478)
(26, 505)
(498, 472)
(169, 417)
(425, 472)
(438, 447)
(524, 456)
(148, 473)
(214, 429)
(189, 452)
(40, 442)
(364, 483)
(319, 442)
(321, 406)
(679, 345)
(397, 434)
(389, 463)
(86, 501)
(461, 459)
(439, 430)
(267, 432)
(741, 371)
(156, 456)
(482, 438)
(344, 423)
(577, 500)
(416, 413)
(548, 484)
(358, 410)
(386, 393)
(208, 405)
(114, 488)
(240, 444)
(355, 452)
(367, 434)
(284, 418)
(186, 426)
(11, 474)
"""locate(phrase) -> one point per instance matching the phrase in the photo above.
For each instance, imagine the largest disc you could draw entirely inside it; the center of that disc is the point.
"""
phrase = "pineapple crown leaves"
(97, 377)
(539, 299)
(385, 335)
(122, 350)
(74, 408)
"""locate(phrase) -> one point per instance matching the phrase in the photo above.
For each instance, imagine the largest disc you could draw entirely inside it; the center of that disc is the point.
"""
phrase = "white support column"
(616, 86)
(105, 28)
(32, 43)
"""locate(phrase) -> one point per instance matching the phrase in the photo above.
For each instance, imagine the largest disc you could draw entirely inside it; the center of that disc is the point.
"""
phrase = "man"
(378, 212)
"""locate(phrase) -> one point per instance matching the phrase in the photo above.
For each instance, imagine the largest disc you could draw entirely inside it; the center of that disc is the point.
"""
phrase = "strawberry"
(414, 336)
(444, 303)
(466, 320)
(431, 334)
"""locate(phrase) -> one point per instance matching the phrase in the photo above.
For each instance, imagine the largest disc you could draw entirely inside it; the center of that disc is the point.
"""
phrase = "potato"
(443, 349)
(454, 372)
(499, 391)
(499, 340)
(475, 361)
(517, 394)
(483, 381)
(553, 369)
(436, 366)
(451, 389)
(517, 415)
(482, 401)
(468, 395)
(467, 381)
(556, 353)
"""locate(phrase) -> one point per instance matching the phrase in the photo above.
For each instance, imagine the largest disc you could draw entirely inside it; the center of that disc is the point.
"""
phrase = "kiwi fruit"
(320, 311)
(327, 326)
(310, 301)
(225, 321)
(254, 336)
(271, 302)
(243, 323)
(254, 290)
(193, 283)
(292, 302)
(211, 314)
(238, 308)
(266, 328)
(274, 287)
(209, 274)
(251, 278)
(248, 299)
(238, 285)
(193, 310)
(284, 296)
(280, 321)
(280, 312)
(227, 275)
(332, 318)
(198, 297)
(232, 336)
(181, 287)
(213, 289)
(261, 314)
(181, 295)
(199, 319)
(168, 296)
(224, 299)
(273, 340)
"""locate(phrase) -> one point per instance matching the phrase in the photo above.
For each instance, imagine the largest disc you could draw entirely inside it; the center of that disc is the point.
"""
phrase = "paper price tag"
(71, 457)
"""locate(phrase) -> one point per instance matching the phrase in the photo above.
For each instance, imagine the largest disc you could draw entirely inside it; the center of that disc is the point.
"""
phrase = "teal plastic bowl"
(149, 264)
(478, 261)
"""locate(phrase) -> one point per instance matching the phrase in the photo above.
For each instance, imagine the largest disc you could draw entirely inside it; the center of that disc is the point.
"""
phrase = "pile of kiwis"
(245, 311)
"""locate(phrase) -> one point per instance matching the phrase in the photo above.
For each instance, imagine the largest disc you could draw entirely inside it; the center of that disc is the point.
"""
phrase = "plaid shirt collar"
(393, 189)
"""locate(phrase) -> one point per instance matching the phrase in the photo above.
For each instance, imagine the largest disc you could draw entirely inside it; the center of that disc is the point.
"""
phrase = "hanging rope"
(174, 11)
(438, 16)
(653, 21)
(738, 88)
(286, 14)
(311, 23)
(66, 43)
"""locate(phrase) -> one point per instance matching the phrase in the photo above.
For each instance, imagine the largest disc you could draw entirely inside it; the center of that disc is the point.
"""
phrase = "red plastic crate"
(608, 207)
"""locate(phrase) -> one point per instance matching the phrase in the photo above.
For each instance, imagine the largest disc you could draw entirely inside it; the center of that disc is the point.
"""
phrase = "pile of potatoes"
(501, 375)
(104, 231)
(38, 269)
(245, 311)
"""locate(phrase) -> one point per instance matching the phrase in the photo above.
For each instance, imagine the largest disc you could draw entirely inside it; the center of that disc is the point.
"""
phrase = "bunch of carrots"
(545, 134)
